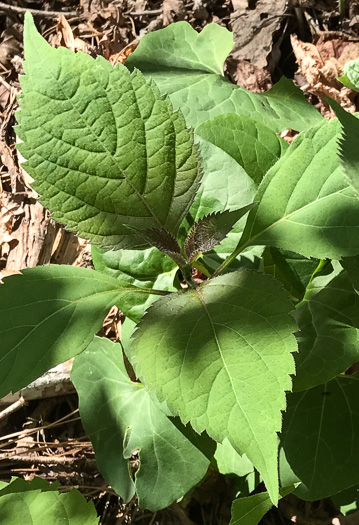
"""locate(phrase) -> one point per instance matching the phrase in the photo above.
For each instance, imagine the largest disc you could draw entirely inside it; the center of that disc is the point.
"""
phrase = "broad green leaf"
(143, 268)
(50, 314)
(189, 67)
(350, 78)
(209, 231)
(122, 417)
(293, 270)
(347, 501)
(249, 511)
(32, 507)
(348, 145)
(20, 485)
(254, 146)
(329, 333)
(220, 356)
(224, 186)
(305, 203)
(108, 154)
(230, 462)
(320, 438)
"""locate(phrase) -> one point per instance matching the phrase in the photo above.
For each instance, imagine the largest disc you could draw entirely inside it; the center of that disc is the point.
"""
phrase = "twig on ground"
(154, 12)
(35, 12)
(12, 408)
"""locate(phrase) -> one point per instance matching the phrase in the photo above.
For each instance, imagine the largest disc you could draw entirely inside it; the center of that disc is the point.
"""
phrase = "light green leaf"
(230, 462)
(220, 356)
(348, 145)
(144, 268)
(50, 314)
(122, 417)
(108, 154)
(249, 511)
(189, 67)
(32, 507)
(254, 146)
(305, 203)
(224, 186)
(329, 333)
(320, 438)
(350, 78)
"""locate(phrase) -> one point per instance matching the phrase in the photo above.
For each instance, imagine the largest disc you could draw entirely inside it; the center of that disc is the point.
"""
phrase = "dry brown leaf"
(172, 10)
(322, 62)
(254, 29)
(249, 76)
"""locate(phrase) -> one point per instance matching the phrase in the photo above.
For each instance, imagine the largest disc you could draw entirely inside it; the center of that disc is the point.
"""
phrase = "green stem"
(187, 274)
(240, 247)
(342, 6)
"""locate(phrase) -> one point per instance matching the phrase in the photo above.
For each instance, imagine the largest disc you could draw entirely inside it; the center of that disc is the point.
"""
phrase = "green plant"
(275, 230)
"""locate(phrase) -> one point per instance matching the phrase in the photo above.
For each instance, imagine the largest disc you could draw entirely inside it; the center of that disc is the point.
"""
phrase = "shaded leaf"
(50, 314)
(305, 203)
(209, 231)
(328, 339)
(107, 152)
(320, 438)
(166, 243)
(254, 146)
(189, 67)
(249, 511)
(220, 356)
(122, 417)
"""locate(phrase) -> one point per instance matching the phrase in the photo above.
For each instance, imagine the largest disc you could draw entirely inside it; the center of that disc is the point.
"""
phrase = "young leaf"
(249, 511)
(329, 333)
(108, 154)
(121, 417)
(189, 67)
(211, 230)
(305, 204)
(50, 314)
(350, 78)
(320, 438)
(220, 356)
(166, 243)
(146, 269)
(348, 145)
(42, 504)
(254, 146)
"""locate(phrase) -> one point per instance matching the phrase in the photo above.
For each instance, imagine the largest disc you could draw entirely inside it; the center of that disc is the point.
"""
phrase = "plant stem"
(342, 8)
(187, 274)
(240, 247)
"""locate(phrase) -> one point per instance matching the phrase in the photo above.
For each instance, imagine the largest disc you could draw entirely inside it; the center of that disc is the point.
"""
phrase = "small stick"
(154, 12)
(36, 12)
(12, 408)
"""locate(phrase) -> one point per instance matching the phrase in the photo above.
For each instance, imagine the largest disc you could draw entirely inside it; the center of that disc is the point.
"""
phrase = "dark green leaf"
(122, 417)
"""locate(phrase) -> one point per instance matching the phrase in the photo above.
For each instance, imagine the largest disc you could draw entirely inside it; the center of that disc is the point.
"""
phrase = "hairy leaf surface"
(204, 353)
(329, 333)
(249, 511)
(209, 231)
(320, 438)
(37, 502)
(305, 203)
(108, 154)
(121, 417)
(143, 268)
(189, 67)
(254, 146)
(50, 314)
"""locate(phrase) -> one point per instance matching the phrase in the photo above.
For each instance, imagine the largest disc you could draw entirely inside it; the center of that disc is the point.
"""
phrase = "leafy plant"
(272, 229)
